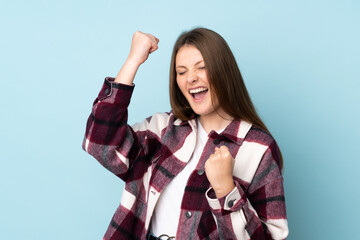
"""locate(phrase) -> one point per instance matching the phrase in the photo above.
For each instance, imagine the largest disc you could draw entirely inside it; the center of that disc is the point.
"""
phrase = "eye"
(181, 73)
(202, 67)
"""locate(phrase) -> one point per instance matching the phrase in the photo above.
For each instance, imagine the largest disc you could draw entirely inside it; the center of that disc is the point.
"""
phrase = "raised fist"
(141, 46)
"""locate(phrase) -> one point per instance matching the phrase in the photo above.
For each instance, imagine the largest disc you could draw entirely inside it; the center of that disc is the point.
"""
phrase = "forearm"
(127, 72)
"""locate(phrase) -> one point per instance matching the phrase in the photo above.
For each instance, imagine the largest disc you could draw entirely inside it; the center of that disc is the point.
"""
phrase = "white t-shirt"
(167, 211)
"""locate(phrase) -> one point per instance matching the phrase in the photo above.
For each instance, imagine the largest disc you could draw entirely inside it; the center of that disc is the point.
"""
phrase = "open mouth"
(198, 93)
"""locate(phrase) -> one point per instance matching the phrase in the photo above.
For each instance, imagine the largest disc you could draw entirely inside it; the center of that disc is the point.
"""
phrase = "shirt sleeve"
(258, 213)
(108, 137)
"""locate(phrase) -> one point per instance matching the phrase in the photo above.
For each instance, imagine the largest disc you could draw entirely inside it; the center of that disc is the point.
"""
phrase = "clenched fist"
(142, 45)
(219, 168)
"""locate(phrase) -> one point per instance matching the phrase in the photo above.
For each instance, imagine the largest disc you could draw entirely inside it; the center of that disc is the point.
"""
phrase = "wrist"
(128, 72)
(224, 189)
(132, 62)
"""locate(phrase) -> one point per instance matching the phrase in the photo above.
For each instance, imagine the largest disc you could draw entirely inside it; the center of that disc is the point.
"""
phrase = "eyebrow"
(181, 66)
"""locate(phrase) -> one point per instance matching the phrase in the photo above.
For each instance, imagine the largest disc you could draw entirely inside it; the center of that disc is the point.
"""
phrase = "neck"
(215, 121)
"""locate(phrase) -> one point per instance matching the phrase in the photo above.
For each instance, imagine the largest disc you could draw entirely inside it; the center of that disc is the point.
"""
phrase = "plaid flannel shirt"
(148, 155)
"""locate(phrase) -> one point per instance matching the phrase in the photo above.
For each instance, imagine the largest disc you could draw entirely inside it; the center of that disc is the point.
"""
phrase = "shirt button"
(216, 141)
(201, 172)
(231, 203)
(188, 214)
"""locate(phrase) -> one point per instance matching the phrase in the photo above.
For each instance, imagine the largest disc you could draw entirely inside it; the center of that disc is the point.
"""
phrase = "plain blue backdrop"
(299, 60)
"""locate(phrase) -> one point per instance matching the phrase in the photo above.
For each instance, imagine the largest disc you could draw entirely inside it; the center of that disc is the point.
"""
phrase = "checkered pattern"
(148, 155)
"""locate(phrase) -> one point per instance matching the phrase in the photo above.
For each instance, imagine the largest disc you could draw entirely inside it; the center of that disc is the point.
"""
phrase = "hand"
(141, 46)
(219, 168)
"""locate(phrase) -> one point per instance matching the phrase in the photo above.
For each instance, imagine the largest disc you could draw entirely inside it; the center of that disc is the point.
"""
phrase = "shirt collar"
(235, 131)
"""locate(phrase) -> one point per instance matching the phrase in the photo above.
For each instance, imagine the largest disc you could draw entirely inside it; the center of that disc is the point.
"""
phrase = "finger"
(154, 46)
(214, 157)
(153, 49)
(223, 147)
(152, 37)
(217, 153)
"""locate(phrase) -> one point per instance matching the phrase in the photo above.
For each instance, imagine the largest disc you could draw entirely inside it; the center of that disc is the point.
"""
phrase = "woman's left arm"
(258, 213)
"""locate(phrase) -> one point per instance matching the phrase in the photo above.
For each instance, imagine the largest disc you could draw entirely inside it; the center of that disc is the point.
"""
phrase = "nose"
(192, 77)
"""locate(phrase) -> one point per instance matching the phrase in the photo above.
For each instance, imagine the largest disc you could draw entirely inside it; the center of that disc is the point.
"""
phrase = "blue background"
(300, 62)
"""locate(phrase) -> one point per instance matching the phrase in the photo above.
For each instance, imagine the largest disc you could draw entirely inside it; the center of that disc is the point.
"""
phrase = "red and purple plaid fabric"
(148, 155)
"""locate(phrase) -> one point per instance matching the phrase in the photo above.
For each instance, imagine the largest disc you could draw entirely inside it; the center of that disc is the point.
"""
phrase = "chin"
(203, 113)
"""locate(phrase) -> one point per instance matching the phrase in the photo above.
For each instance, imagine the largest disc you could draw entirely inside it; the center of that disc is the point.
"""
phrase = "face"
(191, 77)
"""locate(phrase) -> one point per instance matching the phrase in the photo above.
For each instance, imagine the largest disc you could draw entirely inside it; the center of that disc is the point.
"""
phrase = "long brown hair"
(224, 78)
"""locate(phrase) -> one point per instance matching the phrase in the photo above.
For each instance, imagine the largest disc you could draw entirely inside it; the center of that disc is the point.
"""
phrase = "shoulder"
(271, 156)
(258, 151)
(157, 120)
(156, 123)
(259, 136)
(266, 140)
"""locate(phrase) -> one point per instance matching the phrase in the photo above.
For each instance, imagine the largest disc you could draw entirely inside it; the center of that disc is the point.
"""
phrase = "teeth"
(197, 90)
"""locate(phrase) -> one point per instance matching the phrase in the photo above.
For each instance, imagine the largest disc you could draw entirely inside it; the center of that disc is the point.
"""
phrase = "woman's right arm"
(108, 137)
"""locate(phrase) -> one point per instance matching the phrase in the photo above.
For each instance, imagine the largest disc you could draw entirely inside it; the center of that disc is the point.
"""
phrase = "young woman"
(209, 169)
